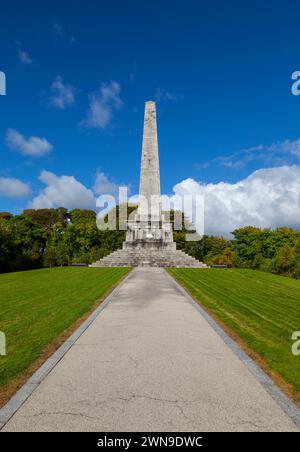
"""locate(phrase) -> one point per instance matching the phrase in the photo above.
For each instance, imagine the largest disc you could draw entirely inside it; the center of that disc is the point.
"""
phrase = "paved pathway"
(150, 362)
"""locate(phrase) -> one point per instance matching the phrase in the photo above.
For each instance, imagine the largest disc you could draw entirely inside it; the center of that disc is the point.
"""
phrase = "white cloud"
(276, 154)
(267, 198)
(63, 191)
(13, 188)
(104, 186)
(24, 57)
(102, 105)
(32, 146)
(63, 94)
(288, 146)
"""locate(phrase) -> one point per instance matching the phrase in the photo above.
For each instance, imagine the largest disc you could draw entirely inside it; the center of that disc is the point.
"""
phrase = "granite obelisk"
(149, 229)
(149, 176)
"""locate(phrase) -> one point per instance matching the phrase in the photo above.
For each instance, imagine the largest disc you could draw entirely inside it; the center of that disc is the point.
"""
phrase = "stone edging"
(275, 392)
(12, 406)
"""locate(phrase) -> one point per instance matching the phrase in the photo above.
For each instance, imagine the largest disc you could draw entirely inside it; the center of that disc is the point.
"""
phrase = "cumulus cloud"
(103, 185)
(66, 191)
(63, 94)
(13, 188)
(63, 191)
(267, 198)
(102, 105)
(31, 146)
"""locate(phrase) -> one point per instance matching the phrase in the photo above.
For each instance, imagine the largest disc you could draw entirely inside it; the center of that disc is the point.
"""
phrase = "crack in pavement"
(64, 413)
(132, 397)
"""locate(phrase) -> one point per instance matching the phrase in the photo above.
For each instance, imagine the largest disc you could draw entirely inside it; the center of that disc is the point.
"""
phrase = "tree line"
(54, 237)
(271, 250)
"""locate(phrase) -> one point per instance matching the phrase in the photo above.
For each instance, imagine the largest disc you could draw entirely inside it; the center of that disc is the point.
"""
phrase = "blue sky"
(219, 71)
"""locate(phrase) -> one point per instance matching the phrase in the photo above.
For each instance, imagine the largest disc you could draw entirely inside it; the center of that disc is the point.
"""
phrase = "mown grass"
(262, 309)
(37, 306)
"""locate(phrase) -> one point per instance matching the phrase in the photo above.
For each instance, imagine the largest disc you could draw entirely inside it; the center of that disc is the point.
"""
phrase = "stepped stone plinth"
(146, 232)
(149, 237)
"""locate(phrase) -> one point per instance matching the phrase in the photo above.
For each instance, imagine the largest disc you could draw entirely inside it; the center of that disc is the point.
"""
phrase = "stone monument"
(149, 237)
(149, 228)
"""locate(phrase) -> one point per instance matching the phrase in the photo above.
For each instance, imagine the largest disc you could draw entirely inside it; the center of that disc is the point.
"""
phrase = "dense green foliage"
(261, 308)
(36, 306)
(54, 237)
(275, 251)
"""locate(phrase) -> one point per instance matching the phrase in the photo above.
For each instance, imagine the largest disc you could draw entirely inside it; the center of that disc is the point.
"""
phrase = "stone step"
(151, 258)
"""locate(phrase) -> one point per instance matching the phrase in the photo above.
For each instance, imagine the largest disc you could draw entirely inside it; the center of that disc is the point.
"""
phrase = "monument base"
(149, 243)
(145, 229)
(148, 253)
(158, 245)
(148, 257)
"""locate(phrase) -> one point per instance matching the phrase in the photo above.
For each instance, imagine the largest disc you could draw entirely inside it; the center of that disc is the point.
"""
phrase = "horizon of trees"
(54, 237)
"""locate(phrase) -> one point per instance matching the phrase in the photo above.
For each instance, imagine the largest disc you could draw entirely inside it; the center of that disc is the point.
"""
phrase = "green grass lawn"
(37, 306)
(261, 308)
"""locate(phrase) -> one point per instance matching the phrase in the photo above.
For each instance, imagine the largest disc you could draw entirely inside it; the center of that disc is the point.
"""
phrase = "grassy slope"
(261, 308)
(37, 306)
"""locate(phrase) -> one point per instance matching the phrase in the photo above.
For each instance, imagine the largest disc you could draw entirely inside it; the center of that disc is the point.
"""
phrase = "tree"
(247, 243)
(284, 259)
(5, 216)
(79, 216)
(50, 257)
(8, 249)
(209, 249)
